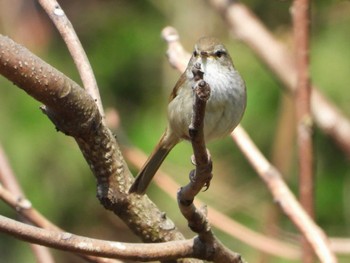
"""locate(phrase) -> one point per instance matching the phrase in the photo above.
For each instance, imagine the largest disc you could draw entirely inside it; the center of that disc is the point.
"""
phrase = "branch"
(280, 191)
(24, 207)
(340, 245)
(284, 197)
(201, 177)
(109, 249)
(300, 10)
(64, 26)
(8, 179)
(101, 248)
(75, 113)
(220, 221)
(301, 23)
(226, 224)
(247, 27)
(177, 56)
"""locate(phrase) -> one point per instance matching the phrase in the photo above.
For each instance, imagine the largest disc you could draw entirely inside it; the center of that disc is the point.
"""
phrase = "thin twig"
(42, 254)
(284, 197)
(64, 26)
(200, 177)
(301, 23)
(8, 179)
(176, 54)
(178, 57)
(340, 245)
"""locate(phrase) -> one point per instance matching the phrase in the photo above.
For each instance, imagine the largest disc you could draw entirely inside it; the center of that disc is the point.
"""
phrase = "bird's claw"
(207, 185)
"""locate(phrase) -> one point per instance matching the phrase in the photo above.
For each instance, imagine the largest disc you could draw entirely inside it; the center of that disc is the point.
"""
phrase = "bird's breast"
(224, 108)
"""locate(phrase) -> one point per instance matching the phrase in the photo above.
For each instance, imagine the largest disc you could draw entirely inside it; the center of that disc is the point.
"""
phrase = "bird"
(224, 109)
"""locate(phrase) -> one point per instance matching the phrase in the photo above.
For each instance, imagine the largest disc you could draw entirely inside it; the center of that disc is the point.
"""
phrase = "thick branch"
(75, 113)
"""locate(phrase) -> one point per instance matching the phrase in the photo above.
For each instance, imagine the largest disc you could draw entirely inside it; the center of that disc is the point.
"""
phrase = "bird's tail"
(149, 169)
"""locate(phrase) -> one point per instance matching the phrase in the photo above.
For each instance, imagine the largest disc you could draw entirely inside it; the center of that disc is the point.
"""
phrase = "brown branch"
(177, 56)
(200, 177)
(42, 254)
(8, 179)
(300, 12)
(13, 195)
(248, 28)
(109, 249)
(24, 207)
(280, 192)
(340, 245)
(284, 197)
(64, 26)
(301, 23)
(89, 246)
(220, 221)
(75, 113)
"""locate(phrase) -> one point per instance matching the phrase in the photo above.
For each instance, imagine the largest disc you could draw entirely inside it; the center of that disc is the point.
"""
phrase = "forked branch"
(75, 113)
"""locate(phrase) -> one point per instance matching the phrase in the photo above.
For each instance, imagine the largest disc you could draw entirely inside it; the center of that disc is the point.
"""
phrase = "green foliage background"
(122, 41)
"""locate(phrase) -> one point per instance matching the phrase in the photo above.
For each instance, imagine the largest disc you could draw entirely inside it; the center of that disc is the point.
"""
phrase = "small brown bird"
(224, 109)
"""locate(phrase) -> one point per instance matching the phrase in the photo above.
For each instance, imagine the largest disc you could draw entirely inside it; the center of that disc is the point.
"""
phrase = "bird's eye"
(195, 53)
(220, 53)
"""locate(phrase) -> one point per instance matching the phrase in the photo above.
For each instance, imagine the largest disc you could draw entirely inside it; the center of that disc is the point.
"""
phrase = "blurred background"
(122, 40)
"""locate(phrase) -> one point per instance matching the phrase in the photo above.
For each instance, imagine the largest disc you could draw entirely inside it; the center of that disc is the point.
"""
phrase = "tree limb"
(75, 113)
(89, 246)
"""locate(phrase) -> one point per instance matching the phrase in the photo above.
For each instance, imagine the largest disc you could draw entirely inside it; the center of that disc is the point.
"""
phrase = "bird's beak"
(204, 54)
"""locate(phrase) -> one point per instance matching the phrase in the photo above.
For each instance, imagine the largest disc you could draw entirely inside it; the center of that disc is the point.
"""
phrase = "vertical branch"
(301, 25)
